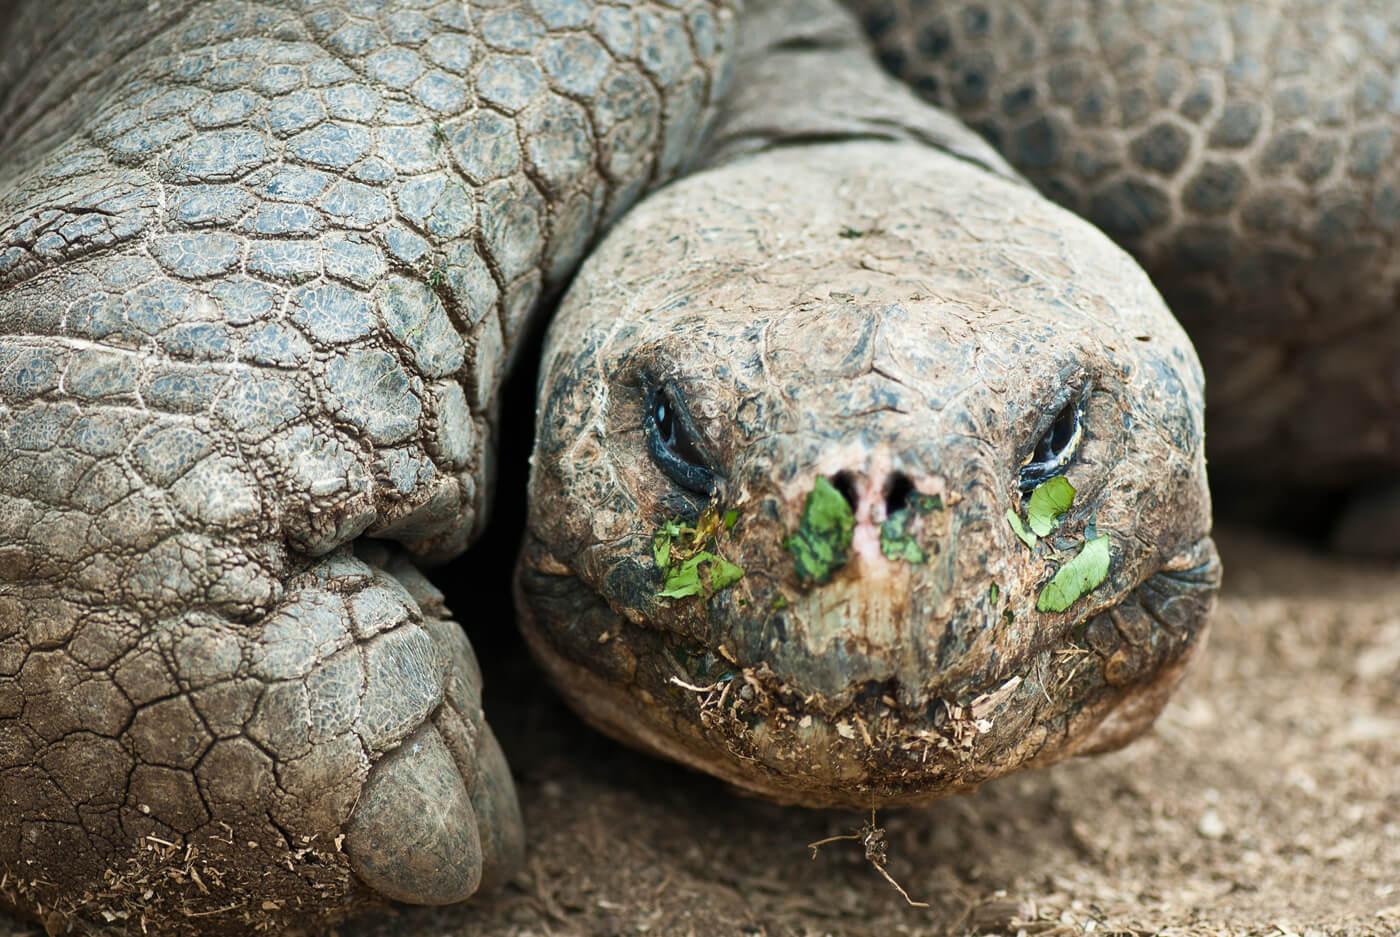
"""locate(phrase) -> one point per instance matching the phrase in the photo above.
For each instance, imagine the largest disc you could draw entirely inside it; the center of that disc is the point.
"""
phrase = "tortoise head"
(794, 417)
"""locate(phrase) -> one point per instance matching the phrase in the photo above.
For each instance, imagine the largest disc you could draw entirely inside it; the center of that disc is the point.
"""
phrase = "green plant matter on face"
(897, 541)
(1051, 499)
(686, 557)
(822, 543)
(1018, 527)
(1048, 503)
(1077, 578)
(685, 580)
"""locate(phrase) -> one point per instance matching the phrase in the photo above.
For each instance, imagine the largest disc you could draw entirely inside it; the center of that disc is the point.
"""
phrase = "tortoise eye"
(665, 418)
(1056, 447)
(672, 443)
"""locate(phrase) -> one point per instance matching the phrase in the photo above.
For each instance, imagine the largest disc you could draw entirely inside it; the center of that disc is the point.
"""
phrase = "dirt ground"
(1267, 802)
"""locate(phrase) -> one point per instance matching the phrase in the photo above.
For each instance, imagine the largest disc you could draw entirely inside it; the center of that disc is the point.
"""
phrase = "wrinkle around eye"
(1057, 446)
(680, 457)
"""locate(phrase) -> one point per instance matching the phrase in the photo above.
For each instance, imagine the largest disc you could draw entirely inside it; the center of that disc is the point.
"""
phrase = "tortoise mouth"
(1095, 684)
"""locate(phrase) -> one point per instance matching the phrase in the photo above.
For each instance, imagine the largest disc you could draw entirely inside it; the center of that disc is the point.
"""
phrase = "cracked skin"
(263, 268)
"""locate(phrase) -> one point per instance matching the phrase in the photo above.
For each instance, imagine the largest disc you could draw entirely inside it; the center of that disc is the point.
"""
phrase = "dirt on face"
(1265, 803)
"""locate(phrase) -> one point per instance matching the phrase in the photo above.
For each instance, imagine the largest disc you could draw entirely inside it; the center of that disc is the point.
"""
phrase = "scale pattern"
(262, 270)
(1247, 154)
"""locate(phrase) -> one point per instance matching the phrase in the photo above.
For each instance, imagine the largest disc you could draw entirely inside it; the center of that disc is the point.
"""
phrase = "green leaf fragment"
(1050, 500)
(723, 573)
(668, 533)
(661, 550)
(685, 557)
(897, 543)
(922, 504)
(731, 518)
(683, 581)
(822, 543)
(686, 579)
(1077, 578)
(1019, 529)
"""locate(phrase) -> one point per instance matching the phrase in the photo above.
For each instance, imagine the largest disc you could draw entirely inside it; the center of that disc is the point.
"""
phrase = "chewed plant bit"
(822, 543)
(686, 555)
(1048, 503)
(1077, 578)
(1018, 527)
(1050, 500)
(661, 543)
(897, 539)
(898, 534)
(923, 504)
(705, 572)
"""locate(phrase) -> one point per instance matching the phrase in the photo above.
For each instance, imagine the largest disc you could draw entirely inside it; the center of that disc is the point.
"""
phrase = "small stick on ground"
(692, 687)
(831, 839)
(872, 837)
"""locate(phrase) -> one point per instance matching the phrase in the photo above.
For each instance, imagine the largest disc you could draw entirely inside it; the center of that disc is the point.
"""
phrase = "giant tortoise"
(863, 472)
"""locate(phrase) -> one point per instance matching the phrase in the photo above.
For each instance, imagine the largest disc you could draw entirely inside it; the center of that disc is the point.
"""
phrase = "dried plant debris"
(687, 556)
(872, 838)
(1077, 578)
(822, 543)
(966, 721)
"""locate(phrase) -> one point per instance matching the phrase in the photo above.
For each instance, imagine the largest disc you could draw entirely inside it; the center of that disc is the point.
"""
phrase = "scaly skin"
(262, 271)
(856, 288)
(262, 268)
(1248, 154)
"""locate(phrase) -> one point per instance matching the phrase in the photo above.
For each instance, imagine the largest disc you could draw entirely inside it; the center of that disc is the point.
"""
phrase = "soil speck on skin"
(1265, 802)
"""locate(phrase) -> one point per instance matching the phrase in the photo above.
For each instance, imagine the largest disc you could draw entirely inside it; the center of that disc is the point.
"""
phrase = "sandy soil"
(1266, 803)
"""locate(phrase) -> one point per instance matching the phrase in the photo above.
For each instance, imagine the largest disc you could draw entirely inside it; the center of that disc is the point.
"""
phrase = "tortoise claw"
(413, 836)
(493, 798)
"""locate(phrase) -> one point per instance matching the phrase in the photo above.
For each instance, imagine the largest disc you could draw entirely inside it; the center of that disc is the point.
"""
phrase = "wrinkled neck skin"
(856, 289)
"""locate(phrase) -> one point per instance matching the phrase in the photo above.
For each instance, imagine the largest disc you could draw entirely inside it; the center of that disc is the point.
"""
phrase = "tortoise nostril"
(897, 492)
(845, 485)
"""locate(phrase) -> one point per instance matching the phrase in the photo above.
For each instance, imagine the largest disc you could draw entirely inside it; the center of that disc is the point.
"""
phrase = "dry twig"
(872, 837)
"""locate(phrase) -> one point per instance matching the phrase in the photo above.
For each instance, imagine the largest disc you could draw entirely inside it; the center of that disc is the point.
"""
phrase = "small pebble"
(1211, 826)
